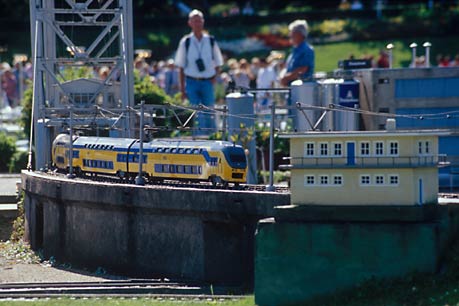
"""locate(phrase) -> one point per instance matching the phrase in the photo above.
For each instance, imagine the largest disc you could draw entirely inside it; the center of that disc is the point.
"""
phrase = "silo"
(241, 125)
(306, 93)
(348, 99)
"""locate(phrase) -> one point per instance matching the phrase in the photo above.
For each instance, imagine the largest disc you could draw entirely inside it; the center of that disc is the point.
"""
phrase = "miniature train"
(219, 162)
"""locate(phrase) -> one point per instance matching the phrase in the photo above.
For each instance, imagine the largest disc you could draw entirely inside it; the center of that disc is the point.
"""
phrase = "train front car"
(60, 151)
(215, 161)
(235, 167)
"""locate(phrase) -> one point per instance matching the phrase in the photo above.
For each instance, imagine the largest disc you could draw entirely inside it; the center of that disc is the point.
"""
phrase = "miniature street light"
(427, 45)
(389, 47)
(413, 54)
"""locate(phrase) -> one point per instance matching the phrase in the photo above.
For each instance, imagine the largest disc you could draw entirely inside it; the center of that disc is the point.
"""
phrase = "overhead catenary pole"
(139, 180)
(70, 157)
(271, 187)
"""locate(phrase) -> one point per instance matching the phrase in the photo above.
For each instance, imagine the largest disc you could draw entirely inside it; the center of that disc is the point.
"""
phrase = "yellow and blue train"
(219, 162)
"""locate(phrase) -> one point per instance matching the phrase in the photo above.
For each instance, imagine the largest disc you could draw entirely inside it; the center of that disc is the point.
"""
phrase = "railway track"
(116, 289)
(179, 184)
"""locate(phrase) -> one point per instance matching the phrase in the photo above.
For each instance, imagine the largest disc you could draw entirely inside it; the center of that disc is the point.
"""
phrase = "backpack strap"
(212, 44)
(187, 47)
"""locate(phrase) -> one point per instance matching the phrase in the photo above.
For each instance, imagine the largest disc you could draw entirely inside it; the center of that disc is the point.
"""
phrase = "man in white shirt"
(199, 59)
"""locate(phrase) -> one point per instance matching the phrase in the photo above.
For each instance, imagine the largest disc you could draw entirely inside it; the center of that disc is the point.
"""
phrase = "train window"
(237, 158)
(166, 150)
(174, 150)
(200, 170)
(165, 168)
(195, 151)
(188, 151)
(158, 168)
(180, 169)
(153, 150)
(180, 150)
(172, 168)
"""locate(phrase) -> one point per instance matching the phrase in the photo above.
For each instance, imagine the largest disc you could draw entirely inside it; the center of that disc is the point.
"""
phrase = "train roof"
(177, 143)
(122, 142)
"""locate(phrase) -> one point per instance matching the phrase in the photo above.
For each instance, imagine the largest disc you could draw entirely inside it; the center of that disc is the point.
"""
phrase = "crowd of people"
(202, 74)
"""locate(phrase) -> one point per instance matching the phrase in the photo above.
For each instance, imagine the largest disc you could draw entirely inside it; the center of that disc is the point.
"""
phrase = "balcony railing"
(367, 162)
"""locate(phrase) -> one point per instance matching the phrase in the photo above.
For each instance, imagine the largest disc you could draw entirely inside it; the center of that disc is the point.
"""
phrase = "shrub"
(18, 162)
(7, 149)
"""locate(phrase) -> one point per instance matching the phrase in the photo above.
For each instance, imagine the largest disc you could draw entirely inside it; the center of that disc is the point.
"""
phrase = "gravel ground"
(18, 264)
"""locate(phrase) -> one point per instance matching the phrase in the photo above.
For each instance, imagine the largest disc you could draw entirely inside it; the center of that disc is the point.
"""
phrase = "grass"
(128, 302)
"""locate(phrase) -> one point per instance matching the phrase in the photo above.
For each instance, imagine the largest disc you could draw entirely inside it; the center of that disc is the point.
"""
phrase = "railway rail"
(172, 183)
(117, 289)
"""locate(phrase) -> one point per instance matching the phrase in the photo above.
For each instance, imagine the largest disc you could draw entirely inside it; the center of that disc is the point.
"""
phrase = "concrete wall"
(310, 251)
(205, 235)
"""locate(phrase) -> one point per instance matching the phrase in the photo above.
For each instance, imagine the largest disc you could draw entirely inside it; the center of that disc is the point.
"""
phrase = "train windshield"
(236, 157)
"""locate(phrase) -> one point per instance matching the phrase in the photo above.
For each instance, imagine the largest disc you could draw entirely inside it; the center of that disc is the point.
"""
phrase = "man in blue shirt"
(300, 63)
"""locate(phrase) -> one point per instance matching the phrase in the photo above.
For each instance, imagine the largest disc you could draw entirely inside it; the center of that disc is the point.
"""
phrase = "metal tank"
(306, 93)
(348, 95)
(343, 95)
(241, 125)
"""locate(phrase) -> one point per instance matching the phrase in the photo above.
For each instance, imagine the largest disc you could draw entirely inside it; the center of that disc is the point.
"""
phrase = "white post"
(427, 45)
(389, 47)
(413, 54)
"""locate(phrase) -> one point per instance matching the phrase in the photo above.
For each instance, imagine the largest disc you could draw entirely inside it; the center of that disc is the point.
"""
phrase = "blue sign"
(349, 94)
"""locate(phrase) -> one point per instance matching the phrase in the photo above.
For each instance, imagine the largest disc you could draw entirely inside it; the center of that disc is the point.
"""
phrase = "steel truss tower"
(68, 35)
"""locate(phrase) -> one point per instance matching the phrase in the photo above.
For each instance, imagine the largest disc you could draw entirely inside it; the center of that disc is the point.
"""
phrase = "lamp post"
(413, 54)
(427, 45)
(389, 48)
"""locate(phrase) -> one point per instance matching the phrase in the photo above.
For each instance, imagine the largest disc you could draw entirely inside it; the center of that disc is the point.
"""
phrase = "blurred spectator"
(199, 59)
(443, 60)
(248, 9)
(243, 75)
(9, 86)
(300, 63)
(234, 10)
(266, 78)
(383, 60)
(171, 79)
(455, 62)
(356, 5)
(344, 5)
(254, 68)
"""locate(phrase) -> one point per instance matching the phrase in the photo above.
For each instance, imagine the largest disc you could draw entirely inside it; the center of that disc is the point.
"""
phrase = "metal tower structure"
(71, 36)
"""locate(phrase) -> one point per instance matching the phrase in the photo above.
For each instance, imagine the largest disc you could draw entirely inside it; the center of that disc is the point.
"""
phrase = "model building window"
(393, 148)
(393, 180)
(424, 147)
(379, 179)
(324, 180)
(379, 148)
(309, 149)
(338, 180)
(324, 149)
(365, 180)
(308, 180)
(364, 149)
(337, 149)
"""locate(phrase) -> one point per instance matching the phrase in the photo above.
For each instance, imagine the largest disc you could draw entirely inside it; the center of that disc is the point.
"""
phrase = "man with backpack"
(199, 59)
